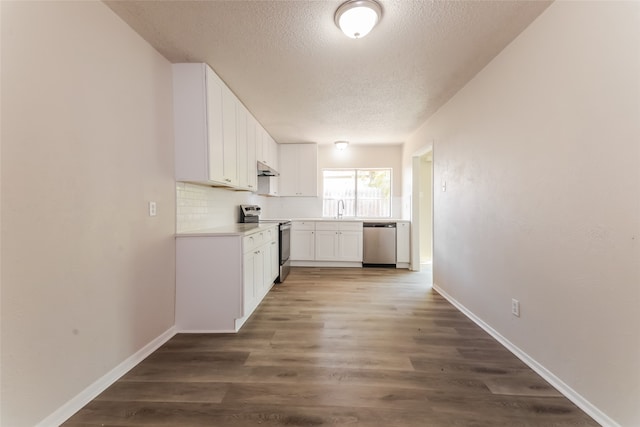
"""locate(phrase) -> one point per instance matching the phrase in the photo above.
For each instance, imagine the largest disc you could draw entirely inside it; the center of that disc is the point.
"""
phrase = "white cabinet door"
(403, 238)
(248, 284)
(229, 132)
(252, 170)
(267, 148)
(350, 243)
(289, 169)
(204, 127)
(274, 261)
(327, 245)
(258, 274)
(303, 245)
(298, 169)
(273, 153)
(308, 170)
(260, 135)
(242, 143)
(215, 134)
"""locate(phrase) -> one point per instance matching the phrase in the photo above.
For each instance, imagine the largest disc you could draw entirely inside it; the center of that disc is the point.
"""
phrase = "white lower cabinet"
(220, 280)
(350, 243)
(274, 263)
(254, 267)
(326, 243)
(403, 244)
(339, 241)
(303, 241)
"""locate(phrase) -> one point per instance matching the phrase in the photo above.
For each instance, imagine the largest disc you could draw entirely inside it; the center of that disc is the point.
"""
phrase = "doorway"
(426, 210)
(422, 211)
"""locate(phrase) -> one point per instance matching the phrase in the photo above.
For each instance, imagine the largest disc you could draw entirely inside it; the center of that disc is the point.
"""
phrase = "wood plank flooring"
(337, 347)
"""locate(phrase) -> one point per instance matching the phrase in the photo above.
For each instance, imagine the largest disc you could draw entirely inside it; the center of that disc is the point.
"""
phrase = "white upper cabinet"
(242, 147)
(298, 167)
(246, 140)
(229, 136)
(252, 177)
(273, 155)
(217, 140)
(260, 134)
(266, 148)
(204, 127)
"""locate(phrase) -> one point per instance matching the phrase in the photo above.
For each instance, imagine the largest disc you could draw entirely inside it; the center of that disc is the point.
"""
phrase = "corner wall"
(540, 154)
(88, 278)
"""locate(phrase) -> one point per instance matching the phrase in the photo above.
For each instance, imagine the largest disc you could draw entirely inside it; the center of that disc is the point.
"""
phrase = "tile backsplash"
(199, 206)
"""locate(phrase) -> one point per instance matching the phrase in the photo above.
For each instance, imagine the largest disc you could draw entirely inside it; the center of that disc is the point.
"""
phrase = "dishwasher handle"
(379, 225)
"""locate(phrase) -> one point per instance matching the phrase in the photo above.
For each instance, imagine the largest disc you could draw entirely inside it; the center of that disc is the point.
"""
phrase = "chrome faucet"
(340, 212)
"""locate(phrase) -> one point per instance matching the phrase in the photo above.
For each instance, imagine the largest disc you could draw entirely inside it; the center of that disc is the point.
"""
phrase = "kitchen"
(210, 123)
(87, 275)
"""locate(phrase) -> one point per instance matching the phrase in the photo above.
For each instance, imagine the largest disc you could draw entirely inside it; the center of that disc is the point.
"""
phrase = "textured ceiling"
(305, 81)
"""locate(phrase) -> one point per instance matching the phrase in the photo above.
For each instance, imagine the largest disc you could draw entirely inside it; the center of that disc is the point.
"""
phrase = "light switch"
(152, 209)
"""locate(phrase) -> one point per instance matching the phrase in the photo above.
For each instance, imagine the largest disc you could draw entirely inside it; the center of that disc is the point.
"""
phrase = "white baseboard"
(207, 331)
(88, 394)
(582, 403)
(326, 264)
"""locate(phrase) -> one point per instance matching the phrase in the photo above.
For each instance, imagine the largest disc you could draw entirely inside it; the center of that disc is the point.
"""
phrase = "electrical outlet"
(515, 307)
(152, 209)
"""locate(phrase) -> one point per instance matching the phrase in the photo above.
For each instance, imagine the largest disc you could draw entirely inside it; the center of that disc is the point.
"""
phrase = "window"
(366, 193)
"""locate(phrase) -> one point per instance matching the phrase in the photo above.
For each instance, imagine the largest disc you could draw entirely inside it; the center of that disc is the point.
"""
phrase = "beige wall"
(541, 159)
(87, 275)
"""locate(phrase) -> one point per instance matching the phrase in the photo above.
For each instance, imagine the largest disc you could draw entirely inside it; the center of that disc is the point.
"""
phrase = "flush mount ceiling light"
(341, 145)
(357, 17)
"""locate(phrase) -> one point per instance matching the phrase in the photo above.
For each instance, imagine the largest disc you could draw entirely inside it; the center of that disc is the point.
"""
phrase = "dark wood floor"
(337, 347)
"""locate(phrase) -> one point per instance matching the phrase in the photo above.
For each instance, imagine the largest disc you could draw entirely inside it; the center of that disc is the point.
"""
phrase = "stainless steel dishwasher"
(379, 244)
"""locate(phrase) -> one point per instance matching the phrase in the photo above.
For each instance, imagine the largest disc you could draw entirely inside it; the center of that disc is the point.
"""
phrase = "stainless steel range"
(251, 214)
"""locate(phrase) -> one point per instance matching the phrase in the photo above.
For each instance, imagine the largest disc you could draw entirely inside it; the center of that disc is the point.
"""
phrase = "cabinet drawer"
(351, 226)
(271, 235)
(252, 241)
(327, 225)
(303, 225)
(339, 226)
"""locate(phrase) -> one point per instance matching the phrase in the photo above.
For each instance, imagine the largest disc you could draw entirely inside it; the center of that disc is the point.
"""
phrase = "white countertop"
(228, 230)
(349, 219)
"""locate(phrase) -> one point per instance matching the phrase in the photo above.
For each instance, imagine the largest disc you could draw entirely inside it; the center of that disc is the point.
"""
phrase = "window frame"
(356, 170)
